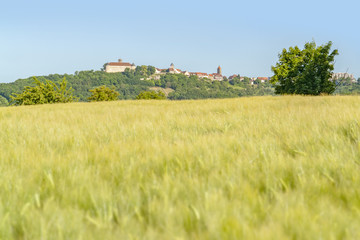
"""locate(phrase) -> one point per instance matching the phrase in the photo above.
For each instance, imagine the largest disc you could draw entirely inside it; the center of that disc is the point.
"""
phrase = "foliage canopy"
(43, 93)
(103, 93)
(306, 71)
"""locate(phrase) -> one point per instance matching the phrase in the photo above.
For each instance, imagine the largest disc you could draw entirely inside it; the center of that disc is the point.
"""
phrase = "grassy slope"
(249, 168)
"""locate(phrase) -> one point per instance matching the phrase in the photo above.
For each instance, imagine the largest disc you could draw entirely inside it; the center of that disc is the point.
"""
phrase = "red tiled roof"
(262, 78)
(122, 64)
(200, 73)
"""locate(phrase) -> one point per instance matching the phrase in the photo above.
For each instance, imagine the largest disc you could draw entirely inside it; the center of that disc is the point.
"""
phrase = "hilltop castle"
(337, 76)
(118, 66)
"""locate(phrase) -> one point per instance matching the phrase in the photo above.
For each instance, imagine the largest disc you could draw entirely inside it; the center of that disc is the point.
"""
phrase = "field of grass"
(247, 168)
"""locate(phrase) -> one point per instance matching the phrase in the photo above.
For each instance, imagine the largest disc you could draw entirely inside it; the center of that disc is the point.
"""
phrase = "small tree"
(43, 93)
(151, 95)
(141, 70)
(306, 71)
(103, 93)
(104, 67)
(151, 70)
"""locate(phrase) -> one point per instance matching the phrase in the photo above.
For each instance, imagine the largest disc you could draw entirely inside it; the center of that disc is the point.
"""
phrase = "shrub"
(103, 93)
(43, 93)
(3, 101)
(151, 95)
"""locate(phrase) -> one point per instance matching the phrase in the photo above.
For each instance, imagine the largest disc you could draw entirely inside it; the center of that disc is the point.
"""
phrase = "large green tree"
(307, 71)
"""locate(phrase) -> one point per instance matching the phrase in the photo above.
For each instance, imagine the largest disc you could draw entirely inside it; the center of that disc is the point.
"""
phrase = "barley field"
(247, 168)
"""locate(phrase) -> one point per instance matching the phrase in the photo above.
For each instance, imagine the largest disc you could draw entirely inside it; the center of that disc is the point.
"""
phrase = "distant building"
(263, 79)
(200, 74)
(173, 70)
(219, 71)
(232, 77)
(186, 73)
(120, 66)
(218, 75)
(337, 76)
(160, 71)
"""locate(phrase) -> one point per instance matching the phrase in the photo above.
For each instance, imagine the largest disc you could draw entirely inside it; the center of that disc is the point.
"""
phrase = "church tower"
(219, 70)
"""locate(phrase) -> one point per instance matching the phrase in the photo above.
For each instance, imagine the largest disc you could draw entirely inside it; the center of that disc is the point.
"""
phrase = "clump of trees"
(144, 70)
(346, 86)
(307, 71)
(151, 95)
(103, 93)
(43, 93)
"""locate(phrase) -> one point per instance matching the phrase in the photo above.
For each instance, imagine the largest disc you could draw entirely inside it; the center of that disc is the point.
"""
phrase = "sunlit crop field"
(247, 168)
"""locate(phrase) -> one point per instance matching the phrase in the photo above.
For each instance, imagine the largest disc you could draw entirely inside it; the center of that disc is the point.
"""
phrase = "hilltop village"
(120, 66)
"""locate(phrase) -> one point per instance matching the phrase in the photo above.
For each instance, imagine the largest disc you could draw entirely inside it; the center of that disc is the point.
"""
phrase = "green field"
(246, 168)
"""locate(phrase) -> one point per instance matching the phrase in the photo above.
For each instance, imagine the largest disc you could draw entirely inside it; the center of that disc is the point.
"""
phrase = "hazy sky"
(244, 37)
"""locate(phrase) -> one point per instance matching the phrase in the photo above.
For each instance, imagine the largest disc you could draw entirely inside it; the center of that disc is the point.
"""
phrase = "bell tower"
(219, 70)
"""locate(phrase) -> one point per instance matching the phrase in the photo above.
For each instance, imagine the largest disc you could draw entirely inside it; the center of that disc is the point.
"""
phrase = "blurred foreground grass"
(248, 168)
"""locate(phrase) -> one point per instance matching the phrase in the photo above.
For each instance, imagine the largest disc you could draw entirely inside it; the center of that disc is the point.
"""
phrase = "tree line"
(131, 83)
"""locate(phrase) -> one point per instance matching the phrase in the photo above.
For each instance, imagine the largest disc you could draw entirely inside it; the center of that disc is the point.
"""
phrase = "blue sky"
(244, 37)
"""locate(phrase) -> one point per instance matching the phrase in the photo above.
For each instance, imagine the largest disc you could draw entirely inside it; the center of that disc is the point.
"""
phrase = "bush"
(3, 101)
(44, 93)
(151, 95)
(103, 93)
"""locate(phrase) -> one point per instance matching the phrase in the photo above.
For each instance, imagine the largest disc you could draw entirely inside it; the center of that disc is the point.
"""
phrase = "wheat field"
(247, 168)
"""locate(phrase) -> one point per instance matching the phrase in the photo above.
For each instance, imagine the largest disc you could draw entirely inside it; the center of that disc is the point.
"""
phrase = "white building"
(337, 76)
(119, 66)
(173, 70)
